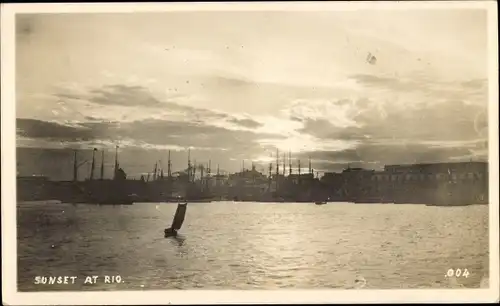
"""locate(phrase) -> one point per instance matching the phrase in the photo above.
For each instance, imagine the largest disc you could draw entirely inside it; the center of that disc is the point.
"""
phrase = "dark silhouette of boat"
(320, 202)
(180, 214)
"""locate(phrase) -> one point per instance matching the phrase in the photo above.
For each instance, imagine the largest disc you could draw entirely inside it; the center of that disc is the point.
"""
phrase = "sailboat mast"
(102, 165)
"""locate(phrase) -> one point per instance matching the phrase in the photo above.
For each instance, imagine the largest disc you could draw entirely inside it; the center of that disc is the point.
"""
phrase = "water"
(229, 245)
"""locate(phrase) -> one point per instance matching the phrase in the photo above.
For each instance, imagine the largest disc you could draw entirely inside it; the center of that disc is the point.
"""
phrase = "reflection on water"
(253, 245)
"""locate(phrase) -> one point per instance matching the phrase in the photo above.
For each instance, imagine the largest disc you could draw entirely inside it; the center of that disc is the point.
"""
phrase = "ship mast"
(93, 164)
(218, 173)
(277, 168)
(189, 165)
(194, 170)
(284, 163)
(161, 170)
(289, 163)
(116, 163)
(209, 171)
(169, 166)
(310, 167)
(155, 171)
(202, 171)
(102, 165)
(298, 180)
(270, 172)
(75, 169)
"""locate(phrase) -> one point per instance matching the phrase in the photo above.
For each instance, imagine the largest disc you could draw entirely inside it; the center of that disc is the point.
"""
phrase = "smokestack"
(102, 165)
(93, 164)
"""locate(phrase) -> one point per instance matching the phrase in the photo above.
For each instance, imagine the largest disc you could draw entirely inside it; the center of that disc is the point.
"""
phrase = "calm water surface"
(228, 245)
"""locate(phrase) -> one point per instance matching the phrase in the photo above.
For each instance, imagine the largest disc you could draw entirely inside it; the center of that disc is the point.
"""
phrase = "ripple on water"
(250, 245)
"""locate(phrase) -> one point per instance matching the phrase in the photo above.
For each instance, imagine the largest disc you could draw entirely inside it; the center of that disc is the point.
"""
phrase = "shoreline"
(57, 202)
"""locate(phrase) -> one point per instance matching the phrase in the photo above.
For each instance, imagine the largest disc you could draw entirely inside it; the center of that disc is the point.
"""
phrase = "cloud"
(33, 128)
(440, 121)
(325, 130)
(376, 155)
(423, 85)
(122, 95)
(381, 132)
(146, 134)
(134, 103)
(249, 123)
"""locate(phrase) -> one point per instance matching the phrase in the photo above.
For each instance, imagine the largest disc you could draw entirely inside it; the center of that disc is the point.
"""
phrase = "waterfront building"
(439, 183)
(431, 183)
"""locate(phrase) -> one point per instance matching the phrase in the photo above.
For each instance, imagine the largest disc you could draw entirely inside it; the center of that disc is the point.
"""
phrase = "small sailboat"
(179, 216)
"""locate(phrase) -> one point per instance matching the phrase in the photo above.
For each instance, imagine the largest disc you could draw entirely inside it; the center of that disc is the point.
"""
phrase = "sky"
(362, 88)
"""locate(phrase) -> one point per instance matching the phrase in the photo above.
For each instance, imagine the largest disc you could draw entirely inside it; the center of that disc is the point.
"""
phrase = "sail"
(180, 213)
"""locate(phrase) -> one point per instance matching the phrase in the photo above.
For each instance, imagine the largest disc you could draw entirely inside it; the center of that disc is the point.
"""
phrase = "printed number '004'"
(457, 273)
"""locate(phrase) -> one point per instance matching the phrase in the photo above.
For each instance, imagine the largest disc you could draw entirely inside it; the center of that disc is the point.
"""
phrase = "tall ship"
(116, 191)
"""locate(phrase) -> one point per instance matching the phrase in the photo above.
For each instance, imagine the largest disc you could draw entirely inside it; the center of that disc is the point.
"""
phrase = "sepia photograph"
(344, 151)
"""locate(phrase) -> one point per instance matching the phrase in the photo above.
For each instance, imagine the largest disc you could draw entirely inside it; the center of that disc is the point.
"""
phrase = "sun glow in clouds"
(306, 76)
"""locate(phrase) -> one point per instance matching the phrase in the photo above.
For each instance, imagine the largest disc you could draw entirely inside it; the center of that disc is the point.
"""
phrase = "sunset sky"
(235, 86)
